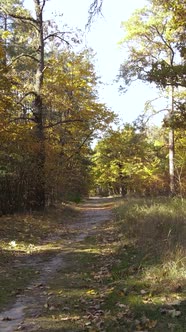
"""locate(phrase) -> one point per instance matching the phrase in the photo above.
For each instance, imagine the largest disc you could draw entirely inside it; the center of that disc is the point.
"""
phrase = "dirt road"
(29, 303)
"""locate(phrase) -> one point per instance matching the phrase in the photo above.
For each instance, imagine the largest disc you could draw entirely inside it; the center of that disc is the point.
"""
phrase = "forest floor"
(80, 268)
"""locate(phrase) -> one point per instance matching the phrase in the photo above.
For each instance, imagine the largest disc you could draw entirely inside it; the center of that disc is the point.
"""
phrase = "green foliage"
(154, 45)
(129, 161)
(156, 54)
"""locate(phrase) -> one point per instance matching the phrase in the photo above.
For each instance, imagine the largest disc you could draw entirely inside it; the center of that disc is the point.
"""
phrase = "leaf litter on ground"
(106, 289)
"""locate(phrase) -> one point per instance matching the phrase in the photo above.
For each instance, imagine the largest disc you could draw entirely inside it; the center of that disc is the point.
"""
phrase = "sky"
(103, 37)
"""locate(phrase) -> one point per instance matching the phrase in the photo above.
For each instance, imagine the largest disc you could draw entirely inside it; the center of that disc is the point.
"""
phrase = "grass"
(12, 283)
(129, 276)
(158, 229)
(26, 239)
(125, 277)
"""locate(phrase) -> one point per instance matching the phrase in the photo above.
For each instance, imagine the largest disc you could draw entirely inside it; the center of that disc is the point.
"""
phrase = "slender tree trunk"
(171, 161)
(37, 188)
(171, 147)
(38, 111)
(5, 42)
(122, 179)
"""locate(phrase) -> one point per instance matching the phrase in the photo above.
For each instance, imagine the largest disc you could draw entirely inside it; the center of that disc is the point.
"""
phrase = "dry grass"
(158, 229)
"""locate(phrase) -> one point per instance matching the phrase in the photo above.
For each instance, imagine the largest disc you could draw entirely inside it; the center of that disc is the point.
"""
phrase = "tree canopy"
(51, 113)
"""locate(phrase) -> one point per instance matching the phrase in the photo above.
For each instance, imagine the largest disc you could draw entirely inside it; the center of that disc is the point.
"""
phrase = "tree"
(38, 57)
(30, 97)
(151, 39)
(74, 116)
(53, 111)
(126, 161)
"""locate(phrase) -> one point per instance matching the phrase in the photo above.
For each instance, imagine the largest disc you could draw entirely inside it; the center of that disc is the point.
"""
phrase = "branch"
(157, 112)
(79, 147)
(55, 34)
(149, 102)
(84, 141)
(165, 42)
(43, 5)
(21, 118)
(95, 9)
(27, 94)
(19, 17)
(62, 122)
(23, 55)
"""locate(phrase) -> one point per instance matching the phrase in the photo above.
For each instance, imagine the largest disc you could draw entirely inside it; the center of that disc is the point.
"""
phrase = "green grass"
(23, 237)
(13, 282)
(122, 280)
(129, 276)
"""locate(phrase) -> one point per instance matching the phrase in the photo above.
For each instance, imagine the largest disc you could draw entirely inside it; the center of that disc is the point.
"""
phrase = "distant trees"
(129, 161)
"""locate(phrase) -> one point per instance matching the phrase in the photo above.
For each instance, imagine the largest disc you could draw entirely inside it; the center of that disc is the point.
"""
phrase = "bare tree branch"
(62, 122)
(80, 146)
(95, 9)
(23, 55)
(154, 114)
(43, 5)
(56, 34)
(165, 42)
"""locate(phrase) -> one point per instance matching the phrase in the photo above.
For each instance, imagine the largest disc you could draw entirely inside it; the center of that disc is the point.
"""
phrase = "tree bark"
(38, 110)
(171, 162)
(171, 147)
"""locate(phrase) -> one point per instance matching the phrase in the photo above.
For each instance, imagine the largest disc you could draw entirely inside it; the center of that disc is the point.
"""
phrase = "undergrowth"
(157, 229)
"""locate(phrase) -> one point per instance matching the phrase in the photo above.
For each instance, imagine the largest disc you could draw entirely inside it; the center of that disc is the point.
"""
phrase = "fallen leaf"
(171, 326)
(52, 308)
(121, 305)
(6, 319)
(175, 303)
(174, 313)
(145, 320)
(66, 308)
(152, 324)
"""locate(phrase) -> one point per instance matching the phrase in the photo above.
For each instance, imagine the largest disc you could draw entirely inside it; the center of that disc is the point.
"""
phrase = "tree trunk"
(171, 147)
(122, 180)
(171, 162)
(38, 111)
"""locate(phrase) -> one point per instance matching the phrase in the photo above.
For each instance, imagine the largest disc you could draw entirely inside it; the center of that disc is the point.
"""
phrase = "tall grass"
(157, 228)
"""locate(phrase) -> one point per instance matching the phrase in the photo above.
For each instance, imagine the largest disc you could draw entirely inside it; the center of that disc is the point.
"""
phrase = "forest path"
(93, 212)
